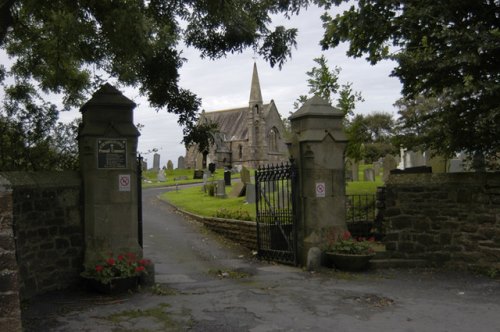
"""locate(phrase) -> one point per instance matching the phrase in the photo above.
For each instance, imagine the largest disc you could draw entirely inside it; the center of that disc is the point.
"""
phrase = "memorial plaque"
(111, 153)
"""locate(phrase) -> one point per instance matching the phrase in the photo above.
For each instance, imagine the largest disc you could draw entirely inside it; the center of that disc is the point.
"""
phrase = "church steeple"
(255, 93)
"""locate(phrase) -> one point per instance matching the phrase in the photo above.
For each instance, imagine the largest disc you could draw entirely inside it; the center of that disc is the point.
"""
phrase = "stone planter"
(116, 286)
(348, 262)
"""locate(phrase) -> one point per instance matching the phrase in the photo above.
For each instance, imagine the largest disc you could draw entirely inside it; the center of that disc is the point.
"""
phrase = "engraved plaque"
(111, 153)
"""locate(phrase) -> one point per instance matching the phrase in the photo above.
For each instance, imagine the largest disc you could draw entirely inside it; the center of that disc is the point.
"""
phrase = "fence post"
(318, 143)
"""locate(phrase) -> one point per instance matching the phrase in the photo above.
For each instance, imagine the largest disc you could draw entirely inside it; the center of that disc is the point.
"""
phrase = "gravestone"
(250, 193)
(355, 171)
(245, 175)
(238, 190)
(161, 176)
(438, 164)
(220, 189)
(376, 168)
(156, 162)
(180, 163)
(170, 165)
(198, 174)
(369, 175)
(227, 177)
(389, 164)
(456, 166)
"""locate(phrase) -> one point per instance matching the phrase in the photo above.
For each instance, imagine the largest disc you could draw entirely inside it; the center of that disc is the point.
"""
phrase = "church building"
(247, 136)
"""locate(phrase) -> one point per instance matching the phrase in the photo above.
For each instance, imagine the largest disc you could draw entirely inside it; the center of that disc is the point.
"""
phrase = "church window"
(256, 109)
(273, 139)
(240, 152)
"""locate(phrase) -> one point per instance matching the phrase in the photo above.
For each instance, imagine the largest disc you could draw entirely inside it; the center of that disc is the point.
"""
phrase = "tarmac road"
(205, 283)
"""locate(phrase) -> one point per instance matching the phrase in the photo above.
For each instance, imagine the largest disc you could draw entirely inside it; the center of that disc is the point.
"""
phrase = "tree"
(70, 48)
(443, 49)
(325, 83)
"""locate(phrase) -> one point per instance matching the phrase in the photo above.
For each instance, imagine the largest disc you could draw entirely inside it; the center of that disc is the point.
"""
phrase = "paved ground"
(207, 284)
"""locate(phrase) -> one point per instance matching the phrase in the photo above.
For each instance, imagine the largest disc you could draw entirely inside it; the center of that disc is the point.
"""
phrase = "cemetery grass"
(194, 200)
(150, 177)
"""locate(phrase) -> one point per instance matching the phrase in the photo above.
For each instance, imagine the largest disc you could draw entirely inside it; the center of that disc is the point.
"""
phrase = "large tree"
(447, 50)
(63, 46)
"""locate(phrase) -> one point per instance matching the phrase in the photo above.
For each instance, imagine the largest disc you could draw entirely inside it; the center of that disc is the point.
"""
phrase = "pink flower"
(346, 235)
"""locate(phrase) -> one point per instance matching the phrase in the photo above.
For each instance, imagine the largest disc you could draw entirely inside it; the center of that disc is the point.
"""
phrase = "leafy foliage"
(71, 48)
(124, 265)
(445, 50)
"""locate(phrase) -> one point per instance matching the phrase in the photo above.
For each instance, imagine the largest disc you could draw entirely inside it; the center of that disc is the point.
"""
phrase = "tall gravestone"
(318, 144)
(181, 163)
(108, 148)
(156, 162)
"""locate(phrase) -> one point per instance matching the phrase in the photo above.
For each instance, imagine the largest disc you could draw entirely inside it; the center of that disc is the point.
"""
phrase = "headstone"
(199, 161)
(250, 193)
(409, 159)
(456, 165)
(156, 162)
(227, 177)
(180, 163)
(438, 164)
(348, 170)
(313, 259)
(376, 168)
(238, 190)
(170, 165)
(355, 172)
(402, 158)
(161, 176)
(369, 175)
(211, 168)
(245, 175)
(198, 174)
(389, 164)
(220, 189)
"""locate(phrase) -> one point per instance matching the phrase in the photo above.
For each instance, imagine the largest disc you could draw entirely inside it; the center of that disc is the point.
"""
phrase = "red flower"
(139, 269)
(346, 235)
(110, 261)
(372, 239)
(99, 268)
(121, 257)
(144, 262)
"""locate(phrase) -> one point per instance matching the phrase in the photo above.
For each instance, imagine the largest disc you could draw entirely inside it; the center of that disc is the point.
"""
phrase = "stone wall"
(240, 231)
(48, 228)
(446, 219)
(10, 311)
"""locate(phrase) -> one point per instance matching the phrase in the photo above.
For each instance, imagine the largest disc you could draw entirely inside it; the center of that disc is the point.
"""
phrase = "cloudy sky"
(225, 83)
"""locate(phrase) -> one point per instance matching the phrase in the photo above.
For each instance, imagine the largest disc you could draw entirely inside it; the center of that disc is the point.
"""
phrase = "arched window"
(273, 139)
(240, 152)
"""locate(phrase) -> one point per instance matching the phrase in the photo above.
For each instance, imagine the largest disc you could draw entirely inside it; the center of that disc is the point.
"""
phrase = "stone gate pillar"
(318, 144)
(108, 148)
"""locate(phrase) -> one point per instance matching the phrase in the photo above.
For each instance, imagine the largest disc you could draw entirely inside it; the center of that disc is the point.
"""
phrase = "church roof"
(233, 122)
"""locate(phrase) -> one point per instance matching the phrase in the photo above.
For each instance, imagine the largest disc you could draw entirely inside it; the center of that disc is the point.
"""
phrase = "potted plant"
(113, 274)
(347, 253)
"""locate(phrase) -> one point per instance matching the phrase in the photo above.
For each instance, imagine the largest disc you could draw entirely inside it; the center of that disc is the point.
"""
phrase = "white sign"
(320, 189)
(124, 182)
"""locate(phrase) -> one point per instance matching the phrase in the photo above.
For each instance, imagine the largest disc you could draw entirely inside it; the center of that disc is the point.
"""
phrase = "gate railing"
(276, 224)
(360, 208)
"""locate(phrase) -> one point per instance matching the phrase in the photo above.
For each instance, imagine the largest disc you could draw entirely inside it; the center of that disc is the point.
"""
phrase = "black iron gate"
(139, 200)
(276, 223)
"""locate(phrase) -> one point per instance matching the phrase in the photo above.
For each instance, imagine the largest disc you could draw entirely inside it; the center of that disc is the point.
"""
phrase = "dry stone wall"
(446, 219)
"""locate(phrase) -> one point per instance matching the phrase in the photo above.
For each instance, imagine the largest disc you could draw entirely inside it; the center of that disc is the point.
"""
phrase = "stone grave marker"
(369, 175)
(161, 176)
(220, 189)
(389, 164)
(245, 175)
(198, 174)
(180, 163)
(156, 162)
(355, 171)
(170, 165)
(456, 166)
(250, 193)
(238, 190)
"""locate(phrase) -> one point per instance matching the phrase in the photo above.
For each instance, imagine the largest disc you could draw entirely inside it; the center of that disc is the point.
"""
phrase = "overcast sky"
(225, 83)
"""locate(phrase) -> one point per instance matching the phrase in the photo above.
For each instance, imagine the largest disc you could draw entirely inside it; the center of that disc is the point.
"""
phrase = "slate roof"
(233, 122)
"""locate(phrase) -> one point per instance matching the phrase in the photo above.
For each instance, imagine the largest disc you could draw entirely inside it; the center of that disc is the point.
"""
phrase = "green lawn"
(196, 201)
(150, 178)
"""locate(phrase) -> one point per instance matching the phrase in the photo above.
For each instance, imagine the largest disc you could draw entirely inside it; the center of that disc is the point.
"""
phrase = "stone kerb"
(446, 219)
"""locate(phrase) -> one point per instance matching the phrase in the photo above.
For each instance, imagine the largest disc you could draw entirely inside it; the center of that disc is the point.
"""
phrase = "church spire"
(255, 93)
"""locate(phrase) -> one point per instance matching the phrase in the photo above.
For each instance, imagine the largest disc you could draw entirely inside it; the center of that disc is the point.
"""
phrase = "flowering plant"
(346, 244)
(111, 267)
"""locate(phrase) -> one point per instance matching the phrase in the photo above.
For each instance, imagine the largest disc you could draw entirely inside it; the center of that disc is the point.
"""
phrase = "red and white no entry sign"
(320, 189)
(124, 182)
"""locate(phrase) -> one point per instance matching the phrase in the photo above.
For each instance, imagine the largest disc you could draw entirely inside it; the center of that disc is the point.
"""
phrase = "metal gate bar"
(276, 225)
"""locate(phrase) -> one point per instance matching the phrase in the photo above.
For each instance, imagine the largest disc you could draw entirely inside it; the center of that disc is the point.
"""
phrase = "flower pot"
(348, 262)
(115, 286)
